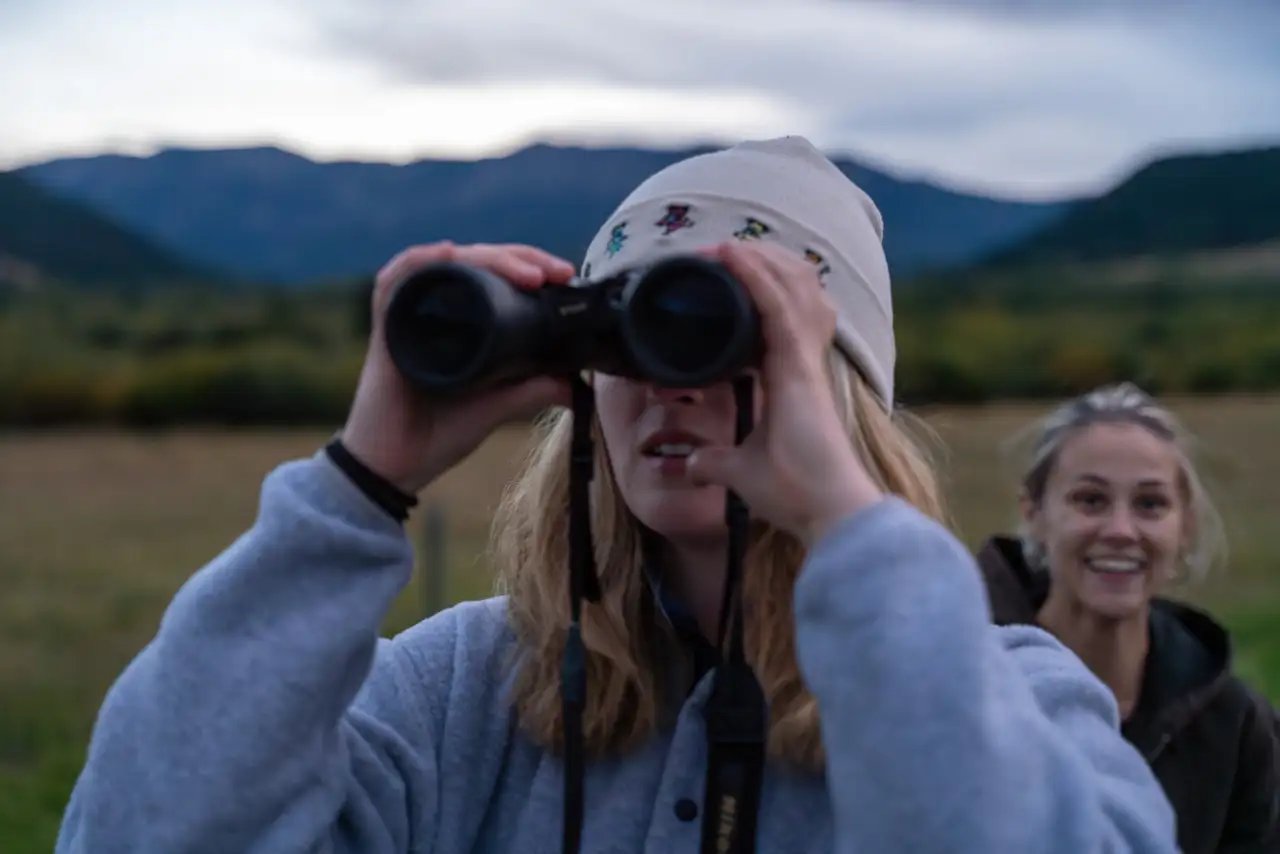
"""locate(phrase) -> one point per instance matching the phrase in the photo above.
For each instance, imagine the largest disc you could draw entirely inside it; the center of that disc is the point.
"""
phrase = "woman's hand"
(798, 469)
(405, 437)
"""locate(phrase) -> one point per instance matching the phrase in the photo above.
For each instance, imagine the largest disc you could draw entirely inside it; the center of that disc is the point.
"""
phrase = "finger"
(719, 466)
(399, 267)
(766, 291)
(503, 262)
(416, 256)
(811, 309)
(557, 270)
(519, 401)
(529, 398)
(798, 277)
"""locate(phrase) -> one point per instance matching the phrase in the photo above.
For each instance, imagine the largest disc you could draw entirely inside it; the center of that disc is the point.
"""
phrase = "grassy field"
(97, 531)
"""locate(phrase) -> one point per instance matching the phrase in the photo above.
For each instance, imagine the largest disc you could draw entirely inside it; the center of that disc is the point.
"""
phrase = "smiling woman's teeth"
(1114, 565)
(677, 451)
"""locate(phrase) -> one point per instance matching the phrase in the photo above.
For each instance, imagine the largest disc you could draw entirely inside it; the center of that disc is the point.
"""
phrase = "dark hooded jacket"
(1209, 738)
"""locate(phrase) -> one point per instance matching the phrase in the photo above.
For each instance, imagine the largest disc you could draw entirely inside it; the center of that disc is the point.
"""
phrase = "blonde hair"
(628, 687)
(1123, 403)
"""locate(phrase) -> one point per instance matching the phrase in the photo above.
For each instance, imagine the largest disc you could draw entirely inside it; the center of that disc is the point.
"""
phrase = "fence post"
(435, 566)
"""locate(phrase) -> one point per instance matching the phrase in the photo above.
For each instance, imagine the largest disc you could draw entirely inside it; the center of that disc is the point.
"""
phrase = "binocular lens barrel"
(683, 322)
(690, 323)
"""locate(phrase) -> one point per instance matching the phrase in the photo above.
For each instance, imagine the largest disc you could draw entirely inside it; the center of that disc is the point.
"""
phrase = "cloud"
(775, 44)
(1068, 9)
(762, 44)
(244, 72)
(1034, 98)
(1039, 94)
(119, 73)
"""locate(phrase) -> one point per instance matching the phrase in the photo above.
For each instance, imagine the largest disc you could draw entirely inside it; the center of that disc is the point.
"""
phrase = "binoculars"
(682, 322)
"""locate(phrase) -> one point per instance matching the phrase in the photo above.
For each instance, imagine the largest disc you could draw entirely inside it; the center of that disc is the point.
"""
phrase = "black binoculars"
(682, 322)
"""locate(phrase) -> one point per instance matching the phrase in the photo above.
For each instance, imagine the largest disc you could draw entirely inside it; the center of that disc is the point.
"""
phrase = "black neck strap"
(583, 583)
(737, 716)
(736, 713)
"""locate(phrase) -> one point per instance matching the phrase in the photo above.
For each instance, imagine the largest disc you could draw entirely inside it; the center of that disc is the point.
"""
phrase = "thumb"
(719, 466)
(522, 400)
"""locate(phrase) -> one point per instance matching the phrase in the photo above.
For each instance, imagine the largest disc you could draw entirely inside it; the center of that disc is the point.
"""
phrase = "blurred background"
(195, 197)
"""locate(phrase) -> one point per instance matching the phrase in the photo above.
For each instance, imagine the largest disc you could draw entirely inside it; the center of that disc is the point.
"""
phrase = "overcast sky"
(1029, 99)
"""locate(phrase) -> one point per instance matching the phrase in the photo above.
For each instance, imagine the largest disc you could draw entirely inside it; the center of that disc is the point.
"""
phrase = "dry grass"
(1258, 262)
(1238, 455)
(97, 531)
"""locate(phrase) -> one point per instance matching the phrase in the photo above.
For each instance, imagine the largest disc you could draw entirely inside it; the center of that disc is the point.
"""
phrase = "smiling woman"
(1113, 510)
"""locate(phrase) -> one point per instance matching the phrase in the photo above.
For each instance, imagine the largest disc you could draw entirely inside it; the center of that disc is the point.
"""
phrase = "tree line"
(291, 358)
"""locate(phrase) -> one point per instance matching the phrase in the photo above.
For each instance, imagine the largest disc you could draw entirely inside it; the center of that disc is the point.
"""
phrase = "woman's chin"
(694, 514)
(1117, 605)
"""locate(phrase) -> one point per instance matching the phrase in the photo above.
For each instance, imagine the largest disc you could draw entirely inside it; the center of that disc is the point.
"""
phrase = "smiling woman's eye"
(1152, 503)
(1089, 499)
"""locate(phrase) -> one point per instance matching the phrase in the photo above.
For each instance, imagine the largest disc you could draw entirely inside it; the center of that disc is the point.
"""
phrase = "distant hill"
(45, 238)
(1190, 203)
(265, 213)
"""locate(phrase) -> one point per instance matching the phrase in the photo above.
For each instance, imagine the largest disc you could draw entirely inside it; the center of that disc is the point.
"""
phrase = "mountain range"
(269, 216)
(1177, 205)
(43, 236)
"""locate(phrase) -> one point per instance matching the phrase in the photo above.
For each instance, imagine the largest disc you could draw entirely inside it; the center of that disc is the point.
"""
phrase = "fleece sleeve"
(265, 715)
(945, 733)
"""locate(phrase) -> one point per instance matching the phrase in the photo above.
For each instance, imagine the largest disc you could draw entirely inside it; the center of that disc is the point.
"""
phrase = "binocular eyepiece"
(682, 322)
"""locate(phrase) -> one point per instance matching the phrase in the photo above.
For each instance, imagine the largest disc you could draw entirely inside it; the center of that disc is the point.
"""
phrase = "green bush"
(292, 358)
(47, 398)
(275, 386)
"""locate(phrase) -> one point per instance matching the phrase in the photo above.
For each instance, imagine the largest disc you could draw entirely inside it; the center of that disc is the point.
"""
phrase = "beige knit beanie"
(783, 190)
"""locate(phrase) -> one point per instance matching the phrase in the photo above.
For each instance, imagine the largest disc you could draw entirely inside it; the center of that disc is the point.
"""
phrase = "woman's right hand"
(393, 428)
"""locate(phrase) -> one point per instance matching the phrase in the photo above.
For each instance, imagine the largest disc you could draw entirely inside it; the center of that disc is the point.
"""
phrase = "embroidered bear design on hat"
(677, 217)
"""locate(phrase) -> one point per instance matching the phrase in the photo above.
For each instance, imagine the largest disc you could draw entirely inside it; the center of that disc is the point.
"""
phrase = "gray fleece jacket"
(268, 717)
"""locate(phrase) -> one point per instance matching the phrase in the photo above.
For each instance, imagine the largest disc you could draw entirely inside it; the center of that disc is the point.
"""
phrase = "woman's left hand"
(798, 468)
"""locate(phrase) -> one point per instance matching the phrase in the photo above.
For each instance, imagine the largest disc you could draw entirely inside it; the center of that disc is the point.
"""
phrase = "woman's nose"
(1120, 525)
(661, 394)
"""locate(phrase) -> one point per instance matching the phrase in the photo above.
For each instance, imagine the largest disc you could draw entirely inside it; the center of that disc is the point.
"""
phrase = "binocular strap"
(583, 583)
(736, 727)
(736, 714)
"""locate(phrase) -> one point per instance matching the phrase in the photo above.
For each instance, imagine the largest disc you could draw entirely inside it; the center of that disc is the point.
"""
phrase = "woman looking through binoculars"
(267, 715)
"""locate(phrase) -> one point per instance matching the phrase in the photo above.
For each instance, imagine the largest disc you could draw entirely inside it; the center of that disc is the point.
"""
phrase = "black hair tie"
(381, 491)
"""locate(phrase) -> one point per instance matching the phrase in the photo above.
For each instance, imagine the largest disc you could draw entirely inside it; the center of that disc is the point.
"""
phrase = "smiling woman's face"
(1114, 518)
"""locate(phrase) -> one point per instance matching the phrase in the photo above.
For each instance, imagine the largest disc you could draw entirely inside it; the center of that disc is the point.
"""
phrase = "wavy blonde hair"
(628, 688)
